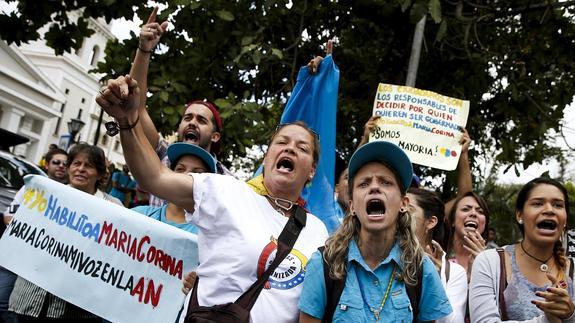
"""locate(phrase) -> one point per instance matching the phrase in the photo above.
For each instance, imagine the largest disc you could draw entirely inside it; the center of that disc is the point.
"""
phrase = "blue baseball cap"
(179, 149)
(387, 153)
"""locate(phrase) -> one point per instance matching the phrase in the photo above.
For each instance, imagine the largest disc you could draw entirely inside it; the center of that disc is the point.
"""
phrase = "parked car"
(12, 171)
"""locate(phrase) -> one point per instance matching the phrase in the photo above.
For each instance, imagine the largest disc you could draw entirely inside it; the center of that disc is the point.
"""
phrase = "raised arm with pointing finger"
(150, 35)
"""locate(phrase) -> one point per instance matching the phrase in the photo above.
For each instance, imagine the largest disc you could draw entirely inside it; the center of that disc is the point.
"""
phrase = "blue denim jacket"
(365, 289)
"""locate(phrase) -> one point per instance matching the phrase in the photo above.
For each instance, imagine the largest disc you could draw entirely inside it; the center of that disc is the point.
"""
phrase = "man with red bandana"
(200, 124)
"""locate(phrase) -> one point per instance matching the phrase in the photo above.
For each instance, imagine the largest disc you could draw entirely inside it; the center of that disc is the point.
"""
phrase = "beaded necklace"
(377, 312)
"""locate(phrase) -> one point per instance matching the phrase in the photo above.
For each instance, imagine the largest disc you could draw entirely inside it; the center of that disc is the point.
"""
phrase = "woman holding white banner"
(239, 224)
(86, 168)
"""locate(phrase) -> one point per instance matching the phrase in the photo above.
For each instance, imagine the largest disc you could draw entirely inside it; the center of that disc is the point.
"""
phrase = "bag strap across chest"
(286, 241)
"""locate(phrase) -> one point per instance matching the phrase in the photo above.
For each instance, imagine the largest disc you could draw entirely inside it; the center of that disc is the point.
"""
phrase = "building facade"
(75, 89)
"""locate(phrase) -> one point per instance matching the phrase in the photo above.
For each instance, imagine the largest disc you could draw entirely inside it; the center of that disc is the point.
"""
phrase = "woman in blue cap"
(375, 253)
(184, 158)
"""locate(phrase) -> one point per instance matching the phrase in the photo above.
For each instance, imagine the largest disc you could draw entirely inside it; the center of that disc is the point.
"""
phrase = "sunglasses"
(281, 125)
(57, 162)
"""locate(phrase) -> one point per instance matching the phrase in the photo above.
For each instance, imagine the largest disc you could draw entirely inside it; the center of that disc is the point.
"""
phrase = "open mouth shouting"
(285, 165)
(547, 226)
(471, 225)
(375, 208)
(191, 135)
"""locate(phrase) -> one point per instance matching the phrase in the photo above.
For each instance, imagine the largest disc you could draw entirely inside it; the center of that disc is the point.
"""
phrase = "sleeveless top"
(520, 292)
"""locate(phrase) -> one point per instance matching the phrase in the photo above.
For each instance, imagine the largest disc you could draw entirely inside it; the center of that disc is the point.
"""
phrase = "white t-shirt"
(456, 290)
(236, 244)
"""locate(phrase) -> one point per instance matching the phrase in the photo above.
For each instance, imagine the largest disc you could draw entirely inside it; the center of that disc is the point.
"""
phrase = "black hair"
(340, 167)
(432, 205)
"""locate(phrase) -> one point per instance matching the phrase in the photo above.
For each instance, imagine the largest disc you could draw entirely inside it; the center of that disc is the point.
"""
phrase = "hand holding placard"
(426, 125)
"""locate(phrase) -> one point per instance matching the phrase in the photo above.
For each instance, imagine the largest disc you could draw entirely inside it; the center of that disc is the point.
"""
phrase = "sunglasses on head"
(281, 125)
(57, 162)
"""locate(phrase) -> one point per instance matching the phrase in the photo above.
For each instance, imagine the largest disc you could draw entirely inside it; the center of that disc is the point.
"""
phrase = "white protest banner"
(108, 260)
(426, 125)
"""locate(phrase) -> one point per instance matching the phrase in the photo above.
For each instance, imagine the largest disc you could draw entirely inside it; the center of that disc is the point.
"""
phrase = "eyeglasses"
(281, 125)
(57, 162)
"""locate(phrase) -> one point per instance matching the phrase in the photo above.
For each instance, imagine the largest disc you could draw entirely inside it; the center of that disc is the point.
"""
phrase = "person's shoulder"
(428, 267)
(314, 222)
(145, 209)
(486, 259)
(111, 198)
(489, 253)
(219, 179)
(223, 170)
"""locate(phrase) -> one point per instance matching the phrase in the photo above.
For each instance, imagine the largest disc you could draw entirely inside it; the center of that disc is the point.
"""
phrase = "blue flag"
(314, 101)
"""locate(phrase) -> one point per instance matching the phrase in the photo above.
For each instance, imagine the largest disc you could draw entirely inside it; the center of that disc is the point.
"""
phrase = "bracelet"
(129, 126)
(143, 50)
(113, 127)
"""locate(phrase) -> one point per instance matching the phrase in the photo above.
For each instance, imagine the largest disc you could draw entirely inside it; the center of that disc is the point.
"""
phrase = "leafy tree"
(64, 34)
(511, 58)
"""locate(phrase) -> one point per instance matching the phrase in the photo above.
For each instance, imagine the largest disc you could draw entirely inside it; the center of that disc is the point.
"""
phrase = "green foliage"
(64, 33)
(246, 54)
(501, 202)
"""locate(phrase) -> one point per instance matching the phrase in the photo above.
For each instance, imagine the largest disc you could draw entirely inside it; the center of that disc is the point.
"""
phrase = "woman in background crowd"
(429, 213)
(468, 219)
(86, 168)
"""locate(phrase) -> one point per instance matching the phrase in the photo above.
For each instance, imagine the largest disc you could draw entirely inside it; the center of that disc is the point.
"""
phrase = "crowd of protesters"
(400, 254)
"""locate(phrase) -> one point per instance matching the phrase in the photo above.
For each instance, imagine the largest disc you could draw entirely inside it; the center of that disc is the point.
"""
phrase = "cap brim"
(179, 149)
(387, 153)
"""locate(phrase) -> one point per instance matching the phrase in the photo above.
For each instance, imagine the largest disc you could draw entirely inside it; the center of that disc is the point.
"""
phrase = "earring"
(402, 210)
(520, 221)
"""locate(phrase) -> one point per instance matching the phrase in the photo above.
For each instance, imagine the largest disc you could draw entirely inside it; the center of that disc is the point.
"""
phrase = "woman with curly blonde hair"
(375, 252)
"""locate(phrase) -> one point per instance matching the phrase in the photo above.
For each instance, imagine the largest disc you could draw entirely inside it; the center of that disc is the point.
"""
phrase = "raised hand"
(435, 253)
(473, 242)
(465, 141)
(120, 99)
(370, 125)
(557, 305)
(314, 63)
(151, 32)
